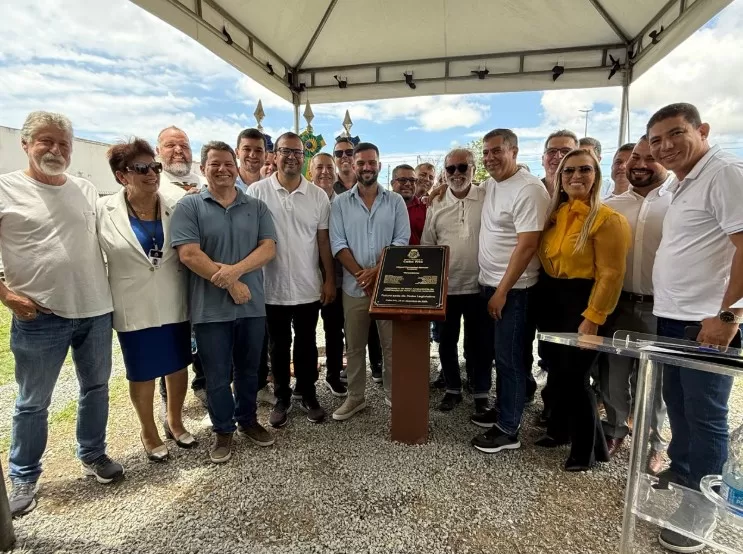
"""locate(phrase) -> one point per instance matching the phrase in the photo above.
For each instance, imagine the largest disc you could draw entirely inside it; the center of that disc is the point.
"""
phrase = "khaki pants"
(356, 314)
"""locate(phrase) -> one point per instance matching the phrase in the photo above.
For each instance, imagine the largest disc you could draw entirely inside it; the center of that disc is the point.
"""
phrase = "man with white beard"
(453, 220)
(176, 180)
(174, 151)
(57, 289)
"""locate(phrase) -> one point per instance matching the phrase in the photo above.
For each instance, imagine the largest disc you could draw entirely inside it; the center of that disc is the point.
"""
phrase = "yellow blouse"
(603, 258)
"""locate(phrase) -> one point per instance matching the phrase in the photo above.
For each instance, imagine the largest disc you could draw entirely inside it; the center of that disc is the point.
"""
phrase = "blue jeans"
(40, 347)
(697, 403)
(223, 345)
(513, 336)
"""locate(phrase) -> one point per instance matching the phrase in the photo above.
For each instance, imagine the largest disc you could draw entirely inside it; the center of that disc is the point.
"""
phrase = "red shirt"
(417, 215)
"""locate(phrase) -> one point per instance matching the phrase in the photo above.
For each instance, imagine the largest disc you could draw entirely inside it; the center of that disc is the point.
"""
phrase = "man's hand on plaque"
(496, 304)
(716, 331)
(327, 295)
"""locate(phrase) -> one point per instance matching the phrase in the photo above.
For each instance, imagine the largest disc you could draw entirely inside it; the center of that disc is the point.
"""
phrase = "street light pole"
(587, 111)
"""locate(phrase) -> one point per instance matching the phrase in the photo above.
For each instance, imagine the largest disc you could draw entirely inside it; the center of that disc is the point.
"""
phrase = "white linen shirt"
(143, 296)
(692, 266)
(517, 205)
(171, 193)
(455, 222)
(293, 277)
(645, 215)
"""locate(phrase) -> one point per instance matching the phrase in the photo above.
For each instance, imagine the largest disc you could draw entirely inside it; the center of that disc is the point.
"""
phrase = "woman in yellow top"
(583, 252)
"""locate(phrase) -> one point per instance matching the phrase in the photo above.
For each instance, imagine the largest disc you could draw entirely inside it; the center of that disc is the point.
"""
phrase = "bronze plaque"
(411, 277)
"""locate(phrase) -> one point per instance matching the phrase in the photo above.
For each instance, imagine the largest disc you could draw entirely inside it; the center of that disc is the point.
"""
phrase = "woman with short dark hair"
(583, 251)
(148, 286)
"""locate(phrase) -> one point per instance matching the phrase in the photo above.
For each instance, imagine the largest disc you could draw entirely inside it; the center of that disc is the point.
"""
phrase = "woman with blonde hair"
(583, 252)
(148, 285)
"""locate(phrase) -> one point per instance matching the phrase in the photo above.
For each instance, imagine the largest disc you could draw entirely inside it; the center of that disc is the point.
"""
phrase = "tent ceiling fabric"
(371, 44)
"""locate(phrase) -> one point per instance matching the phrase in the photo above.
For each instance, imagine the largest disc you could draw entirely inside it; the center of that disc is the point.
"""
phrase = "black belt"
(639, 298)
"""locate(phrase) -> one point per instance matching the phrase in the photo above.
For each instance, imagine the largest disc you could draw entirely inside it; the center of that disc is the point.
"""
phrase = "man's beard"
(366, 179)
(458, 185)
(52, 165)
(179, 169)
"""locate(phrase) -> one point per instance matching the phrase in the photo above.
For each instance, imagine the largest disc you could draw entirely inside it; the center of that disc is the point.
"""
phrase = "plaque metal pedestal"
(410, 376)
(7, 536)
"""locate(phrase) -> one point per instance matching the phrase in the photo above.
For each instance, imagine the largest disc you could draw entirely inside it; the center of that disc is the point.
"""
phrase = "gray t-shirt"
(226, 236)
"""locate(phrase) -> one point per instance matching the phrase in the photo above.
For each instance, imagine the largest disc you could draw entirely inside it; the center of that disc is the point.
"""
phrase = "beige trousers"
(357, 320)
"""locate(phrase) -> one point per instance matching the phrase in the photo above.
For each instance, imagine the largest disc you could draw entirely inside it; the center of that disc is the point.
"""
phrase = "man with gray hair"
(453, 220)
(225, 238)
(556, 147)
(592, 145)
(57, 289)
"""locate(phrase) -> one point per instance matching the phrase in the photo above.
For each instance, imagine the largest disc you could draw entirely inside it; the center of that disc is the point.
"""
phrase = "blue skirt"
(157, 351)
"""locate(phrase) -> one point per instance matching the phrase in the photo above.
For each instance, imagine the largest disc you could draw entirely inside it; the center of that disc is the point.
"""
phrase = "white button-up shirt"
(645, 215)
(455, 222)
(692, 266)
(293, 277)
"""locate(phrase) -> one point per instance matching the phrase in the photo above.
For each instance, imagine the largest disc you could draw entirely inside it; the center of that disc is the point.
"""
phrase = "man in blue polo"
(225, 237)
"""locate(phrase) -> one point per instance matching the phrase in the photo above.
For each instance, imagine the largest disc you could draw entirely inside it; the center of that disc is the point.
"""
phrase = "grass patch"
(7, 363)
(65, 415)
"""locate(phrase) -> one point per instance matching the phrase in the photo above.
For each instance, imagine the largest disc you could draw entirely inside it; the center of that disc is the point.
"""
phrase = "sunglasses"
(142, 169)
(347, 152)
(462, 168)
(583, 170)
(407, 180)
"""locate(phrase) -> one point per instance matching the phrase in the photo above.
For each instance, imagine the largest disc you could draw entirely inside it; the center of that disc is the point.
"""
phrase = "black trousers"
(561, 303)
(302, 318)
(332, 323)
(263, 367)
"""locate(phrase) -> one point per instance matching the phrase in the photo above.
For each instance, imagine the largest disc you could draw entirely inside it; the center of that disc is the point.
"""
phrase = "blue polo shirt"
(367, 232)
(226, 235)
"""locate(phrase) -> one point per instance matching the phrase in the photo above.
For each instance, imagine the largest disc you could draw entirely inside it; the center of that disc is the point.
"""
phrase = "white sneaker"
(266, 396)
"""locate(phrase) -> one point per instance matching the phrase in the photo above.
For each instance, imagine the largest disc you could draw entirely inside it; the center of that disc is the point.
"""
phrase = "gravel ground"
(335, 487)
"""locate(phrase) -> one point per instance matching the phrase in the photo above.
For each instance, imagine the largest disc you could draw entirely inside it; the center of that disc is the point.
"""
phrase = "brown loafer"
(614, 445)
(656, 463)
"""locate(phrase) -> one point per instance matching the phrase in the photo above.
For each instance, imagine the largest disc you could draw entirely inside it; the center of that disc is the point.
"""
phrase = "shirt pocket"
(89, 220)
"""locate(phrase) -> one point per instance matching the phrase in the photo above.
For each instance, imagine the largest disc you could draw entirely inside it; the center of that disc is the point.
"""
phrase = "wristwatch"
(729, 317)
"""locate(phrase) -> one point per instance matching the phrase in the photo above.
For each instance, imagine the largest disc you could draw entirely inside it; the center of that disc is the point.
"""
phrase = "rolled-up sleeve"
(338, 239)
(401, 233)
(610, 245)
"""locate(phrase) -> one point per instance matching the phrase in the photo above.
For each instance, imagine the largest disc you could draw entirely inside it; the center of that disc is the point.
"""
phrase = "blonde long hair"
(594, 198)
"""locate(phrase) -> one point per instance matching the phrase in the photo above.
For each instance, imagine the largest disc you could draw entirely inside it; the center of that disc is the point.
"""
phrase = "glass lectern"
(700, 515)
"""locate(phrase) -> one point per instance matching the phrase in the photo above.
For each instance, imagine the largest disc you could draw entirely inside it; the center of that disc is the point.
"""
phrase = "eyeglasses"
(555, 151)
(462, 168)
(406, 180)
(583, 170)
(287, 152)
(142, 168)
(347, 152)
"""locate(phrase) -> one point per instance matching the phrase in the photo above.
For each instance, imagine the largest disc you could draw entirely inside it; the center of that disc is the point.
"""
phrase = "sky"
(129, 73)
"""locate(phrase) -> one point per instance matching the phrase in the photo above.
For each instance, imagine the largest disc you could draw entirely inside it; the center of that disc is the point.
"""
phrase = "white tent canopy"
(350, 50)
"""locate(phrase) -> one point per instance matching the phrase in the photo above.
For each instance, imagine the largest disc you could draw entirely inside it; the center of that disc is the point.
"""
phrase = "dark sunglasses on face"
(142, 168)
(583, 170)
(347, 152)
(406, 180)
(462, 168)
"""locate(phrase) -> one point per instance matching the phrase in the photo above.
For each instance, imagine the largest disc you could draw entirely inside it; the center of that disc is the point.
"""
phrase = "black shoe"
(573, 465)
(104, 469)
(676, 542)
(280, 414)
(315, 412)
(376, 371)
(449, 401)
(481, 406)
(23, 498)
(336, 388)
(545, 441)
(494, 440)
(544, 418)
(486, 419)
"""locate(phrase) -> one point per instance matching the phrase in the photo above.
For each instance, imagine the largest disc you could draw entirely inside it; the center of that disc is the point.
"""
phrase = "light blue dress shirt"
(367, 232)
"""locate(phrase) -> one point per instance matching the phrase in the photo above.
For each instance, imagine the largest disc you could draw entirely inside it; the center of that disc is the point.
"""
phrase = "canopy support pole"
(296, 118)
(624, 114)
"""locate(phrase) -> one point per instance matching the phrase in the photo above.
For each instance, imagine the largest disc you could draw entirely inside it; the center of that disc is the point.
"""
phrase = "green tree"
(480, 172)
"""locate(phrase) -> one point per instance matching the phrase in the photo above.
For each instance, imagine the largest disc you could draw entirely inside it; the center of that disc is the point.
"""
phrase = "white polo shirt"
(50, 245)
(293, 276)
(516, 205)
(692, 266)
(171, 186)
(645, 215)
(455, 223)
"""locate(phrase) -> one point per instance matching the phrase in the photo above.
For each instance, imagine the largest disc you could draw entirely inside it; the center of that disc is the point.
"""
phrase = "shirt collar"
(697, 169)
(302, 188)
(471, 194)
(241, 197)
(354, 191)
